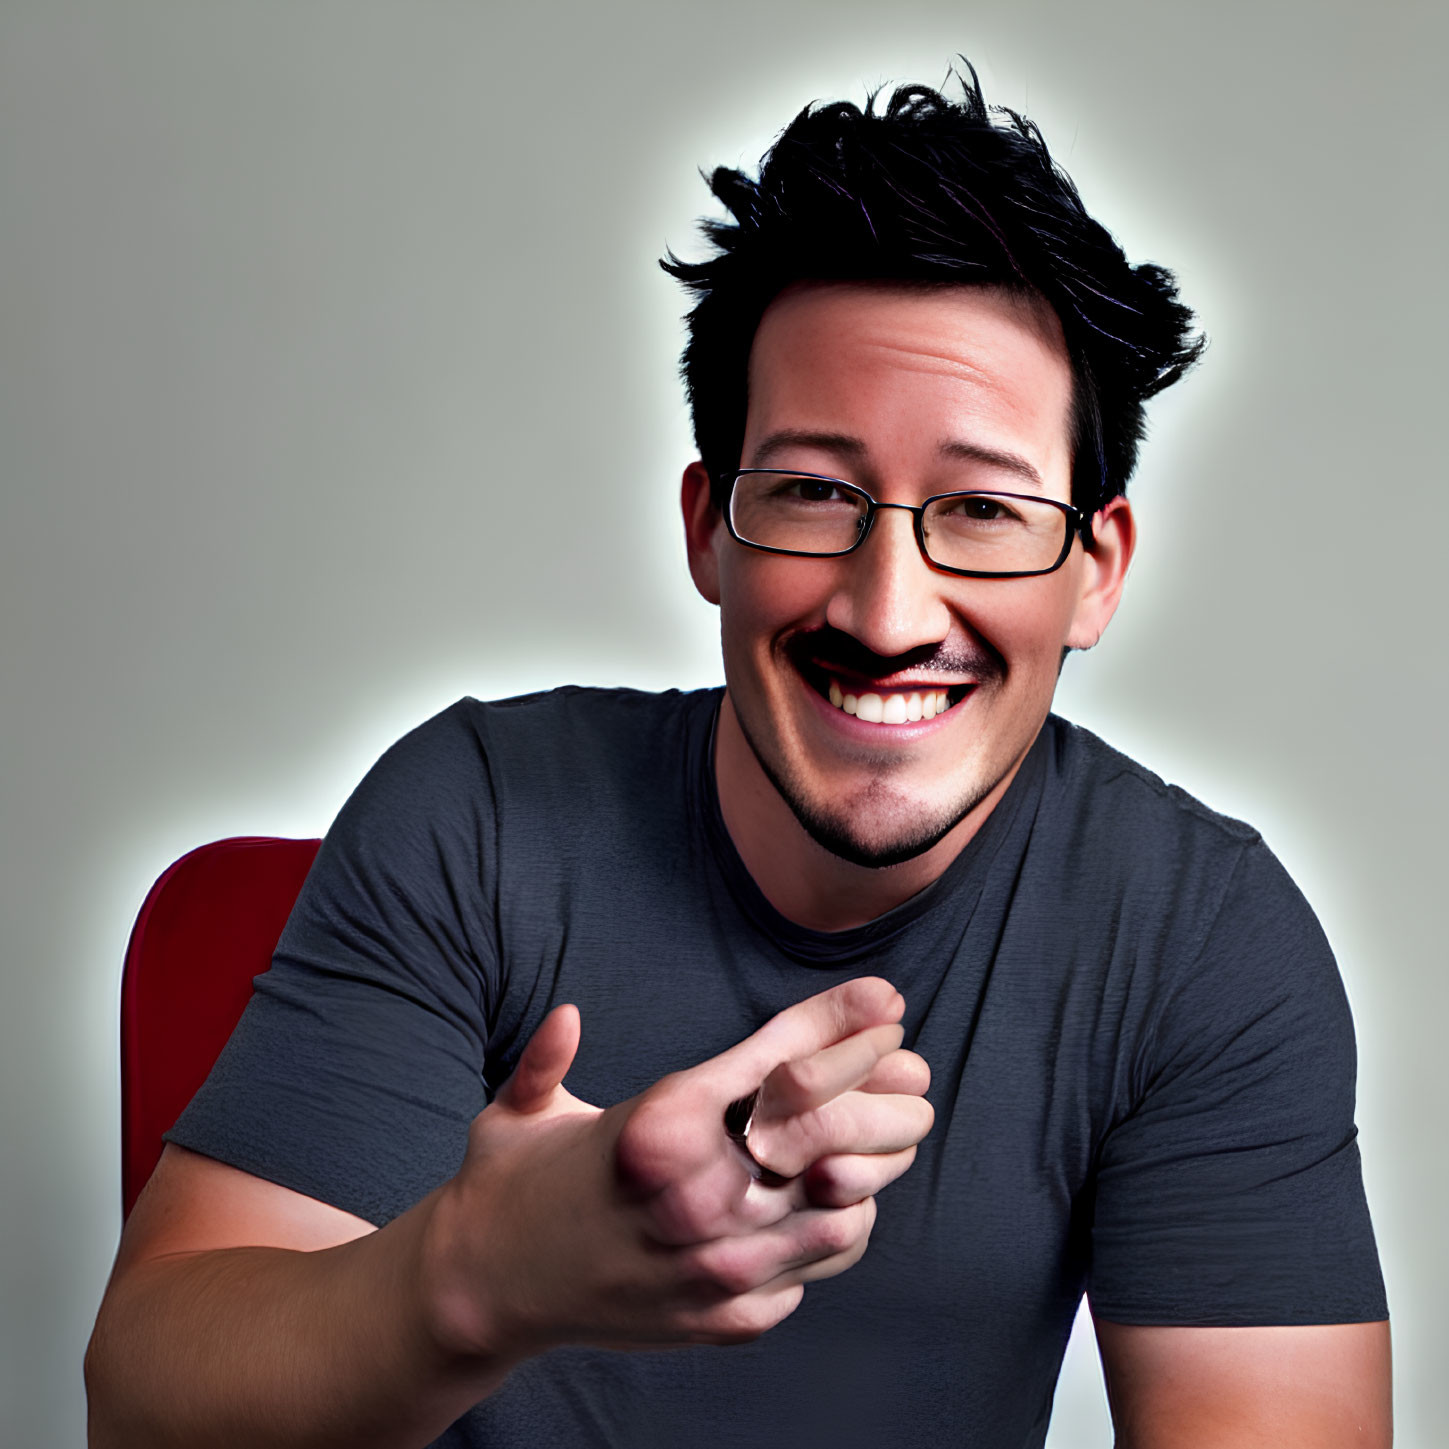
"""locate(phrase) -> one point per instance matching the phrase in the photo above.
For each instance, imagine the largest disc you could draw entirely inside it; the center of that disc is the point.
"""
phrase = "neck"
(806, 883)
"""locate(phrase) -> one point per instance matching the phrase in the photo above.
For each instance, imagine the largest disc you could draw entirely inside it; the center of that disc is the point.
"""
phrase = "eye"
(981, 508)
(797, 513)
(811, 490)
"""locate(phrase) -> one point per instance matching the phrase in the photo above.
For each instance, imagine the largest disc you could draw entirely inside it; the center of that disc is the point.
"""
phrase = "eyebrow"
(841, 444)
(1012, 463)
(853, 450)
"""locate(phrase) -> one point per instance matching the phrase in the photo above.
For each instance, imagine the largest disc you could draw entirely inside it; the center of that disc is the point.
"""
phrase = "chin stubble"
(835, 834)
(827, 646)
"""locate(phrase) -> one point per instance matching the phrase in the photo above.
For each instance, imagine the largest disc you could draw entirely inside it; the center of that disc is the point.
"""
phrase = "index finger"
(804, 1029)
(805, 1083)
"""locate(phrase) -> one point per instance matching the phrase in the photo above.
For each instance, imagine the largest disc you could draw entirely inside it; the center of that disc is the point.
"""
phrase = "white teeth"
(891, 708)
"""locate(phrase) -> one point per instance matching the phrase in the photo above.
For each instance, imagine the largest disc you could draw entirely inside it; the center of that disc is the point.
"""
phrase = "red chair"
(208, 927)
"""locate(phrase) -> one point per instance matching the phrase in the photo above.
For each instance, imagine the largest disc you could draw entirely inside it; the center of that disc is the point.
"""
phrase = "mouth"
(873, 703)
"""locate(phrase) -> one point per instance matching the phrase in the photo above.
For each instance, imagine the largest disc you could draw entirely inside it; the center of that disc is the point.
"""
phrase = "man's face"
(906, 393)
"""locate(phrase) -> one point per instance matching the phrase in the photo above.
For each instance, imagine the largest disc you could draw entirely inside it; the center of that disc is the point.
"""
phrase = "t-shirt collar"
(960, 882)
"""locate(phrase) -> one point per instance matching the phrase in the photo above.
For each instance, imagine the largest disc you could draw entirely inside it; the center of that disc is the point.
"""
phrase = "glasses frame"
(1075, 522)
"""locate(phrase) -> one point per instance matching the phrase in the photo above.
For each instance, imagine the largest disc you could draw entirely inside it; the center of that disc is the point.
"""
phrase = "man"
(867, 919)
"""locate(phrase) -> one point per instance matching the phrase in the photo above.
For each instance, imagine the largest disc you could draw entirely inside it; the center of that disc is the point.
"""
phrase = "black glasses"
(975, 534)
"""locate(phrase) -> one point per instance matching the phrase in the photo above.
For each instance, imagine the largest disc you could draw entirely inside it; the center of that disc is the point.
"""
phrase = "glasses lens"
(994, 533)
(795, 512)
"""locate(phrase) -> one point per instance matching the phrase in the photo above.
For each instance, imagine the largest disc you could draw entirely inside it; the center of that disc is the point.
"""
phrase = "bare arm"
(1325, 1386)
(241, 1313)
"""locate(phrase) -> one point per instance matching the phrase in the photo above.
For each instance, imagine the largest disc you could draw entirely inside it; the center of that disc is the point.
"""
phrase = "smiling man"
(868, 921)
(888, 684)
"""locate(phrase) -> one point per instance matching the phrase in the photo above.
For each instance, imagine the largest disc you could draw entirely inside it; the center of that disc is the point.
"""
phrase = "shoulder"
(1223, 963)
(526, 782)
(581, 744)
(1122, 836)
(1095, 781)
(631, 719)
(483, 746)
(1199, 918)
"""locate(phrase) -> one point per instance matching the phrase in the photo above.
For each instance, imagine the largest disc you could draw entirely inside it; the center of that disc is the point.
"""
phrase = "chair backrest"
(208, 927)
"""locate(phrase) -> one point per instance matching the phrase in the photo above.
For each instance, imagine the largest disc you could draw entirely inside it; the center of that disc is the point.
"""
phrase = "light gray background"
(338, 381)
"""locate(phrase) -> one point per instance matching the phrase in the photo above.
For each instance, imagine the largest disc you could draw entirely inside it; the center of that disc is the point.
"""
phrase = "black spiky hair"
(931, 191)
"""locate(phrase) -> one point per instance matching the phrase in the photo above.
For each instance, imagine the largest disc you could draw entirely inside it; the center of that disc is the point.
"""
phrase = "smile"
(891, 707)
(884, 706)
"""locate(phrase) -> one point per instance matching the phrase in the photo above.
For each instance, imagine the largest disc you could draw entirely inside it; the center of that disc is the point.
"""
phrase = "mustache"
(830, 648)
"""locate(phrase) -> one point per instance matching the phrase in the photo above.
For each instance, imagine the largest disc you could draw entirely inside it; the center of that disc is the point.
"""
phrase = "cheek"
(761, 595)
(1029, 626)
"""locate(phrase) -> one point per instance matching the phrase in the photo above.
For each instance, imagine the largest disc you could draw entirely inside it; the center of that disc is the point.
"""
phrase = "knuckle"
(641, 1151)
(726, 1270)
(686, 1212)
(659, 1142)
(836, 1233)
(838, 1182)
(798, 1079)
(827, 1177)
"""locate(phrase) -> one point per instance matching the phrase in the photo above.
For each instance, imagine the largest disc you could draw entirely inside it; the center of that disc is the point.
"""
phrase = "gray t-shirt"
(1142, 1061)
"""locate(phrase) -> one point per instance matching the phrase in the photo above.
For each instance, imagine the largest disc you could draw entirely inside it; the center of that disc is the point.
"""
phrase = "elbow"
(98, 1370)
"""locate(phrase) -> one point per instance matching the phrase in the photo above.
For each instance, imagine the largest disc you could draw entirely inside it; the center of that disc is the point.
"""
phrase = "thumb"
(544, 1063)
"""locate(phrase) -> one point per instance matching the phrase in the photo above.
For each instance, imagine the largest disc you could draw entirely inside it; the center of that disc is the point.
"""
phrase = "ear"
(1104, 571)
(703, 530)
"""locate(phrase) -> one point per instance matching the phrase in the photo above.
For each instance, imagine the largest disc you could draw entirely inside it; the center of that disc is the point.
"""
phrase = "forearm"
(271, 1347)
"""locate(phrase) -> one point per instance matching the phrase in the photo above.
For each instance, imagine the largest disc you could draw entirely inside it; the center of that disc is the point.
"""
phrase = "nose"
(888, 597)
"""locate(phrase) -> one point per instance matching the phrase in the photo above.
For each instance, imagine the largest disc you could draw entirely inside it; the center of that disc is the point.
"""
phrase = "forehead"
(905, 370)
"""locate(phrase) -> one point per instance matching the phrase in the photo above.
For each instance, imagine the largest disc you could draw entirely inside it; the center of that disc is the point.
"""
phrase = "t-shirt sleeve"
(1229, 1192)
(356, 1068)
